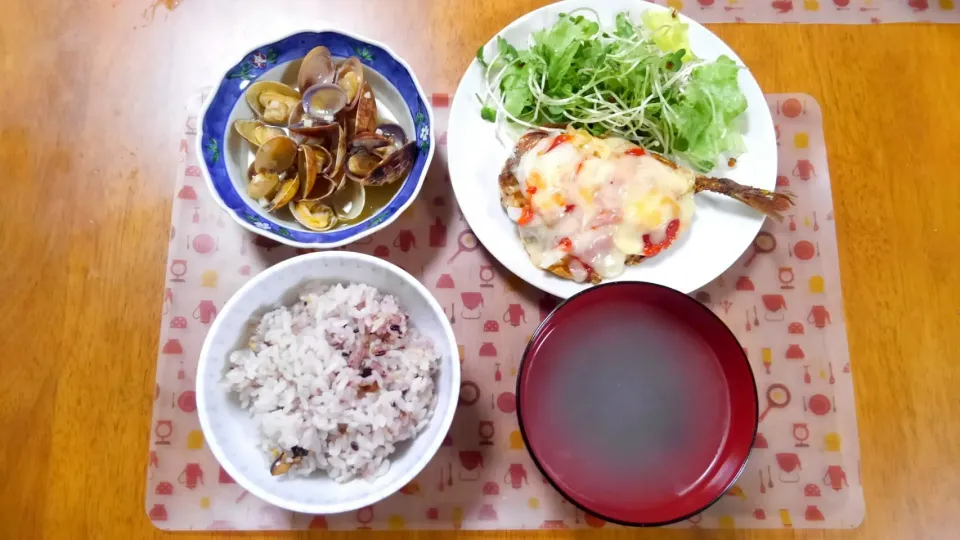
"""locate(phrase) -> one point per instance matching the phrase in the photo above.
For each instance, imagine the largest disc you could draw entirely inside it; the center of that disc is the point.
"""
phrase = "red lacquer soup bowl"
(637, 403)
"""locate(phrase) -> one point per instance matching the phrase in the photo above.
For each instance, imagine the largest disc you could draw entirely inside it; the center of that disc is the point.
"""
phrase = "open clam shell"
(313, 215)
(393, 132)
(317, 67)
(370, 141)
(276, 155)
(308, 127)
(320, 186)
(262, 185)
(329, 140)
(366, 118)
(288, 189)
(336, 142)
(307, 169)
(322, 189)
(362, 117)
(394, 167)
(361, 163)
(272, 101)
(350, 79)
(324, 157)
(256, 132)
(348, 200)
(324, 100)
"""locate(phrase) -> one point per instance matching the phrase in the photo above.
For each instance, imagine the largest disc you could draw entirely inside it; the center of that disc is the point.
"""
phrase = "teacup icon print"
(514, 315)
(405, 240)
(205, 311)
(191, 476)
(819, 317)
(804, 169)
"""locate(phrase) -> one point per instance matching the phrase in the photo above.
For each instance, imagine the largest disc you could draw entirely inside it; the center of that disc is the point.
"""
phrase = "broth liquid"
(630, 412)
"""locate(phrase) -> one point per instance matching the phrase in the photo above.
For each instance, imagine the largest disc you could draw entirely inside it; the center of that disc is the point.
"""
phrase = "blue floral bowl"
(224, 154)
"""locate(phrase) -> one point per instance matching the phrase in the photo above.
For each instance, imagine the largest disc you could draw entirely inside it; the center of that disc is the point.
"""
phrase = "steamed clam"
(319, 147)
(267, 168)
(286, 192)
(256, 132)
(337, 143)
(370, 141)
(308, 164)
(276, 155)
(324, 157)
(322, 189)
(324, 100)
(306, 126)
(348, 200)
(393, 167)
(350, 79)
(262, 185)
(310, 161)
(317, 67)
(272, 101)
(393, 132)
(270, 165)
(313, 215)
(364, 118)
(361, 163)
(374, 160)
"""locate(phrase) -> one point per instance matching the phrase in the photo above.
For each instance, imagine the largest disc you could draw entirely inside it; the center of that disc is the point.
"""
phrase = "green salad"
(636, 81)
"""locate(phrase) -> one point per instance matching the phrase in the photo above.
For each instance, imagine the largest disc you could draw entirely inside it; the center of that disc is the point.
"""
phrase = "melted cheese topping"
(598, 200)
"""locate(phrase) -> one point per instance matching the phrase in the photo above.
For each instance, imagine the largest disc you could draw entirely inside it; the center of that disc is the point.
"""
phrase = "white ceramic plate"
(722, 228)
(232, 434)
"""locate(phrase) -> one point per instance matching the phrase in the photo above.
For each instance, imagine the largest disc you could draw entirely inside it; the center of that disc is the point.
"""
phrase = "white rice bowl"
(335, 381)
(242, 436)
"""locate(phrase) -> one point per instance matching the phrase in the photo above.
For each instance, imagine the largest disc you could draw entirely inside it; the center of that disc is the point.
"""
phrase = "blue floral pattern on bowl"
(216, 115)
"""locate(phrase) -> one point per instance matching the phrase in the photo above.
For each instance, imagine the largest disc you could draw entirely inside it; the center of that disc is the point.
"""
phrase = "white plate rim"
(489, 235)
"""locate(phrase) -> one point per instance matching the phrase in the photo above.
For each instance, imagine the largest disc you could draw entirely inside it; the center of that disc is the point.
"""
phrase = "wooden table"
(92, 98)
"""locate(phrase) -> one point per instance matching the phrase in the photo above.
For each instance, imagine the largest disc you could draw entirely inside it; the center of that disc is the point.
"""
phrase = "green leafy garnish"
(488, 113)
(505, 49)
(636, 81)
(667, 32)
(480, 57)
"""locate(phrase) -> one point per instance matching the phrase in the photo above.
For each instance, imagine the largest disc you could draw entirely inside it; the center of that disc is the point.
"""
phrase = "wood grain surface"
(92, 98)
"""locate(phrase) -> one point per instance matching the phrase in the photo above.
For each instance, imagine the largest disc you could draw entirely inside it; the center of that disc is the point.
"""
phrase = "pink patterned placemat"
(782, 299)
(818, 11)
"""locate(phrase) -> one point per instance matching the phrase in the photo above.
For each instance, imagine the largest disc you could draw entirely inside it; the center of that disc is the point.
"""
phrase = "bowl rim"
(536, 461)
(208, 180)
(418, 465)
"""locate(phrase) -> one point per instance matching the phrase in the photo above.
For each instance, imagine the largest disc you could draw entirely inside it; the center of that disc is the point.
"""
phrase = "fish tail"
(767, 202)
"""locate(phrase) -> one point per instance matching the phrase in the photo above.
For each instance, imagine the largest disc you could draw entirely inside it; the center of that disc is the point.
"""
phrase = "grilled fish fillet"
(511, 196)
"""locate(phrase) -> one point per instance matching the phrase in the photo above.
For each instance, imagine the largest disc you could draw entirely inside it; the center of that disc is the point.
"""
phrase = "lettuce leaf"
(705, 118)
(669, 34)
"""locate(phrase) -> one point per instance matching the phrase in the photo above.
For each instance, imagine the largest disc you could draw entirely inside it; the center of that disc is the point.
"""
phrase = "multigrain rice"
(335, 381)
